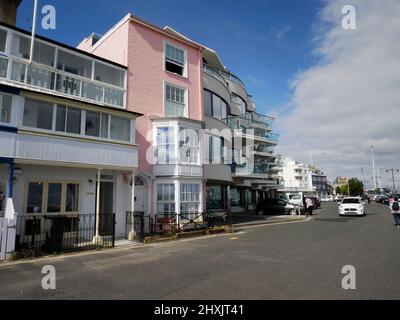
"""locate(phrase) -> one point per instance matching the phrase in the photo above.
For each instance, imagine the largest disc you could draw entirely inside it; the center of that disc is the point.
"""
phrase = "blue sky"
(264, 42)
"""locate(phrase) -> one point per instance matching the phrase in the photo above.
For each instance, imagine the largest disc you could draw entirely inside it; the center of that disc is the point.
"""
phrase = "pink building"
(164, 83)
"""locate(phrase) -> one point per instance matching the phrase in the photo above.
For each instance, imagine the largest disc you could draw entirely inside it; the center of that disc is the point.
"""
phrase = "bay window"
(175, 101)
(108, 74)
(175, 60)
(5, 108)
(165, 198)
(190, 198)
(166, 145)
(189, 146)
(74, 64)
(240, 103)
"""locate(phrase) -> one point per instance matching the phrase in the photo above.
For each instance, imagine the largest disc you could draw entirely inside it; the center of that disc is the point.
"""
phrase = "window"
(120, 128)
(175, 60)
(44, 54)
(214, 197)
(235, 197)
(5, 108)
(210, 148)
(165, 145)
(190, 198)
(215, 106)
(20, 46)
(240, 103)
(72, 197)
(3, 38)
(165, 198)
(38, 114)
(109, 74)
(174, 101)
(92, 127)
(74, 64)
(68, 119)
(54, 197)
(35, 197)
(189, 146)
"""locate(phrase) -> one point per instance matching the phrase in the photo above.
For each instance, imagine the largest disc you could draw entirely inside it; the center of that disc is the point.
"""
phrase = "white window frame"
(185, 92)
(173, 159)
(193, 200)
(11, 109)
(185, 65)
(195, 148)
(170, 202)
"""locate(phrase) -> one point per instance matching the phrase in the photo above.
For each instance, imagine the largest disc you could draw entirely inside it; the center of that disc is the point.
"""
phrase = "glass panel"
(104, 125)
(208, 103)
(216, 107)
(174, 54)
(54, 197)
(18, 71)
(91, 91)
(174, 109)
(120, 128)
(114, 97)
(3, 38)
(35, 196)
(20, 46)
(3, 67)
(40, 77)
(71, 63)
(68, 85)
(72, 200)
(224, 115)
(38, 114)
(73, 120)
(60, 118)
(43, 53)
(5, 108)
(108, 74)
(93, 124)
(214, 197)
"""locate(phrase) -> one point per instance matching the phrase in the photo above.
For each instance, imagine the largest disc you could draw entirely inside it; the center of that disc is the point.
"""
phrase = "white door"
(140, 198)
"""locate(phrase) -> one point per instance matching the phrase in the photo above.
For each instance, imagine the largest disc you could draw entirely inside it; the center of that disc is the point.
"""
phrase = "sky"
(334, 92)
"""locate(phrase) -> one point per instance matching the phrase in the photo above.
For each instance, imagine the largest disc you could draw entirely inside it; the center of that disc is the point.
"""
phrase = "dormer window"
(175, 60)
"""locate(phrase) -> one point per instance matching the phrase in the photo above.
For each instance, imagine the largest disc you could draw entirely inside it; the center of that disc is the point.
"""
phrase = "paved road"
(287, 261)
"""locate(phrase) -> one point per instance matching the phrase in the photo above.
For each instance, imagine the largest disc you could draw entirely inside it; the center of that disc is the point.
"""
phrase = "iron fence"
(48, 234)
(172, 223)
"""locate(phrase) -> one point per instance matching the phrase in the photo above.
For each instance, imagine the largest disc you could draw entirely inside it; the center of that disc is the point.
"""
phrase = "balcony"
(215, 73)
(232, 77)
(60, 71)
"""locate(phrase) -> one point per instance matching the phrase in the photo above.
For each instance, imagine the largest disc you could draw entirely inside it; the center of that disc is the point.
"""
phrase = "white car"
(352, 206)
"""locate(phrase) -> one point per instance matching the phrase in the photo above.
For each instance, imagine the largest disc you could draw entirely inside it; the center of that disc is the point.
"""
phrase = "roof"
(63, 45)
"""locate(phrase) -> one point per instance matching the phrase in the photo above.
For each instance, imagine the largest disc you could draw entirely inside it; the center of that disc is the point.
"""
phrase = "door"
(140, 198)
(106, 224)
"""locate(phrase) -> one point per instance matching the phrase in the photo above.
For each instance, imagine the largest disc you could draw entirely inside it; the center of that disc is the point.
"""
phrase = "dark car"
(366, 198)
(275, 206)
(384, 199)
(316, 202)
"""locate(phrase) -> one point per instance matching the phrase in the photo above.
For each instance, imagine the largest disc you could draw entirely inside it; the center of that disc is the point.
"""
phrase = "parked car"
(384, 199)
(351, 206)
(365, 198)
(275, 206)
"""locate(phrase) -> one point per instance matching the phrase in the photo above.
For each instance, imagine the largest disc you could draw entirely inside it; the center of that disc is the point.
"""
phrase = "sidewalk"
(252, 220)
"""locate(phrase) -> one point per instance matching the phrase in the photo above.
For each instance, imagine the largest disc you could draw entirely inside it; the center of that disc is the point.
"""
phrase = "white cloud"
(350, 100)
(281, 33)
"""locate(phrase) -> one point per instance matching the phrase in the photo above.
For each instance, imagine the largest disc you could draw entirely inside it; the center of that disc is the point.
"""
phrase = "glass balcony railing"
(260, 147)
(232, 77)
(214, 73)
(60, 82)
(273, 137)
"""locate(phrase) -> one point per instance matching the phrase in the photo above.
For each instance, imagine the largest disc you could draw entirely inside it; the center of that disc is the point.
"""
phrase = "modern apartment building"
(297, 177)
(164, 83)
(67, 138)
(214, 151)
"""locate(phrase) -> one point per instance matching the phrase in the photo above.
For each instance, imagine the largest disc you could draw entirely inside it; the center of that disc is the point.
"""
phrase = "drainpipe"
(97, 237)
(11, 180)
(131, 235)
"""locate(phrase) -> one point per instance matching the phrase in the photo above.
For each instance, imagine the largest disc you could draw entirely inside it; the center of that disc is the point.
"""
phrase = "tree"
(356, 187)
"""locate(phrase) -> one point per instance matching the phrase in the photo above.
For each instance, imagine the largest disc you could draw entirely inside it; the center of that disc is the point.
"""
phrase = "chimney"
(8, 11)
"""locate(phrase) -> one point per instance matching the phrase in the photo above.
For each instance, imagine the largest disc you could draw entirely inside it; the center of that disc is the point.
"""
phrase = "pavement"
(243, 220)
(275, 261)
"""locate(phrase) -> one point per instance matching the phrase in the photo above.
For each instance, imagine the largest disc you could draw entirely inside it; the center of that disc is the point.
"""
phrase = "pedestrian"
(309, 205)
(395, 209)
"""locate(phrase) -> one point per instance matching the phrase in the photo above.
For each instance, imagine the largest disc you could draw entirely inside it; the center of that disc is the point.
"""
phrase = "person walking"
(309, 205)
(395, 209)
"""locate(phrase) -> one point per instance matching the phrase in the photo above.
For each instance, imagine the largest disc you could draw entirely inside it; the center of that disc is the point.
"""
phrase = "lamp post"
(393, 170)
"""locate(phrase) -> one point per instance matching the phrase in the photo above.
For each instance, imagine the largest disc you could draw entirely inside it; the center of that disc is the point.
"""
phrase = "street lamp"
(393, 170)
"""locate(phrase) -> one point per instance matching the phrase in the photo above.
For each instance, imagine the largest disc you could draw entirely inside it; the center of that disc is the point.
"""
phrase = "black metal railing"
(47, 234)
(171, 223)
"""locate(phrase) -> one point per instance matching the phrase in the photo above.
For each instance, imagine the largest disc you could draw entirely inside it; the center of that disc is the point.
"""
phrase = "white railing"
(57, 81)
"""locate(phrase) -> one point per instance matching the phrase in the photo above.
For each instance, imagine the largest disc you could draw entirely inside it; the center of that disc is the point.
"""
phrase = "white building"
(296, 176)
(67, 141)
